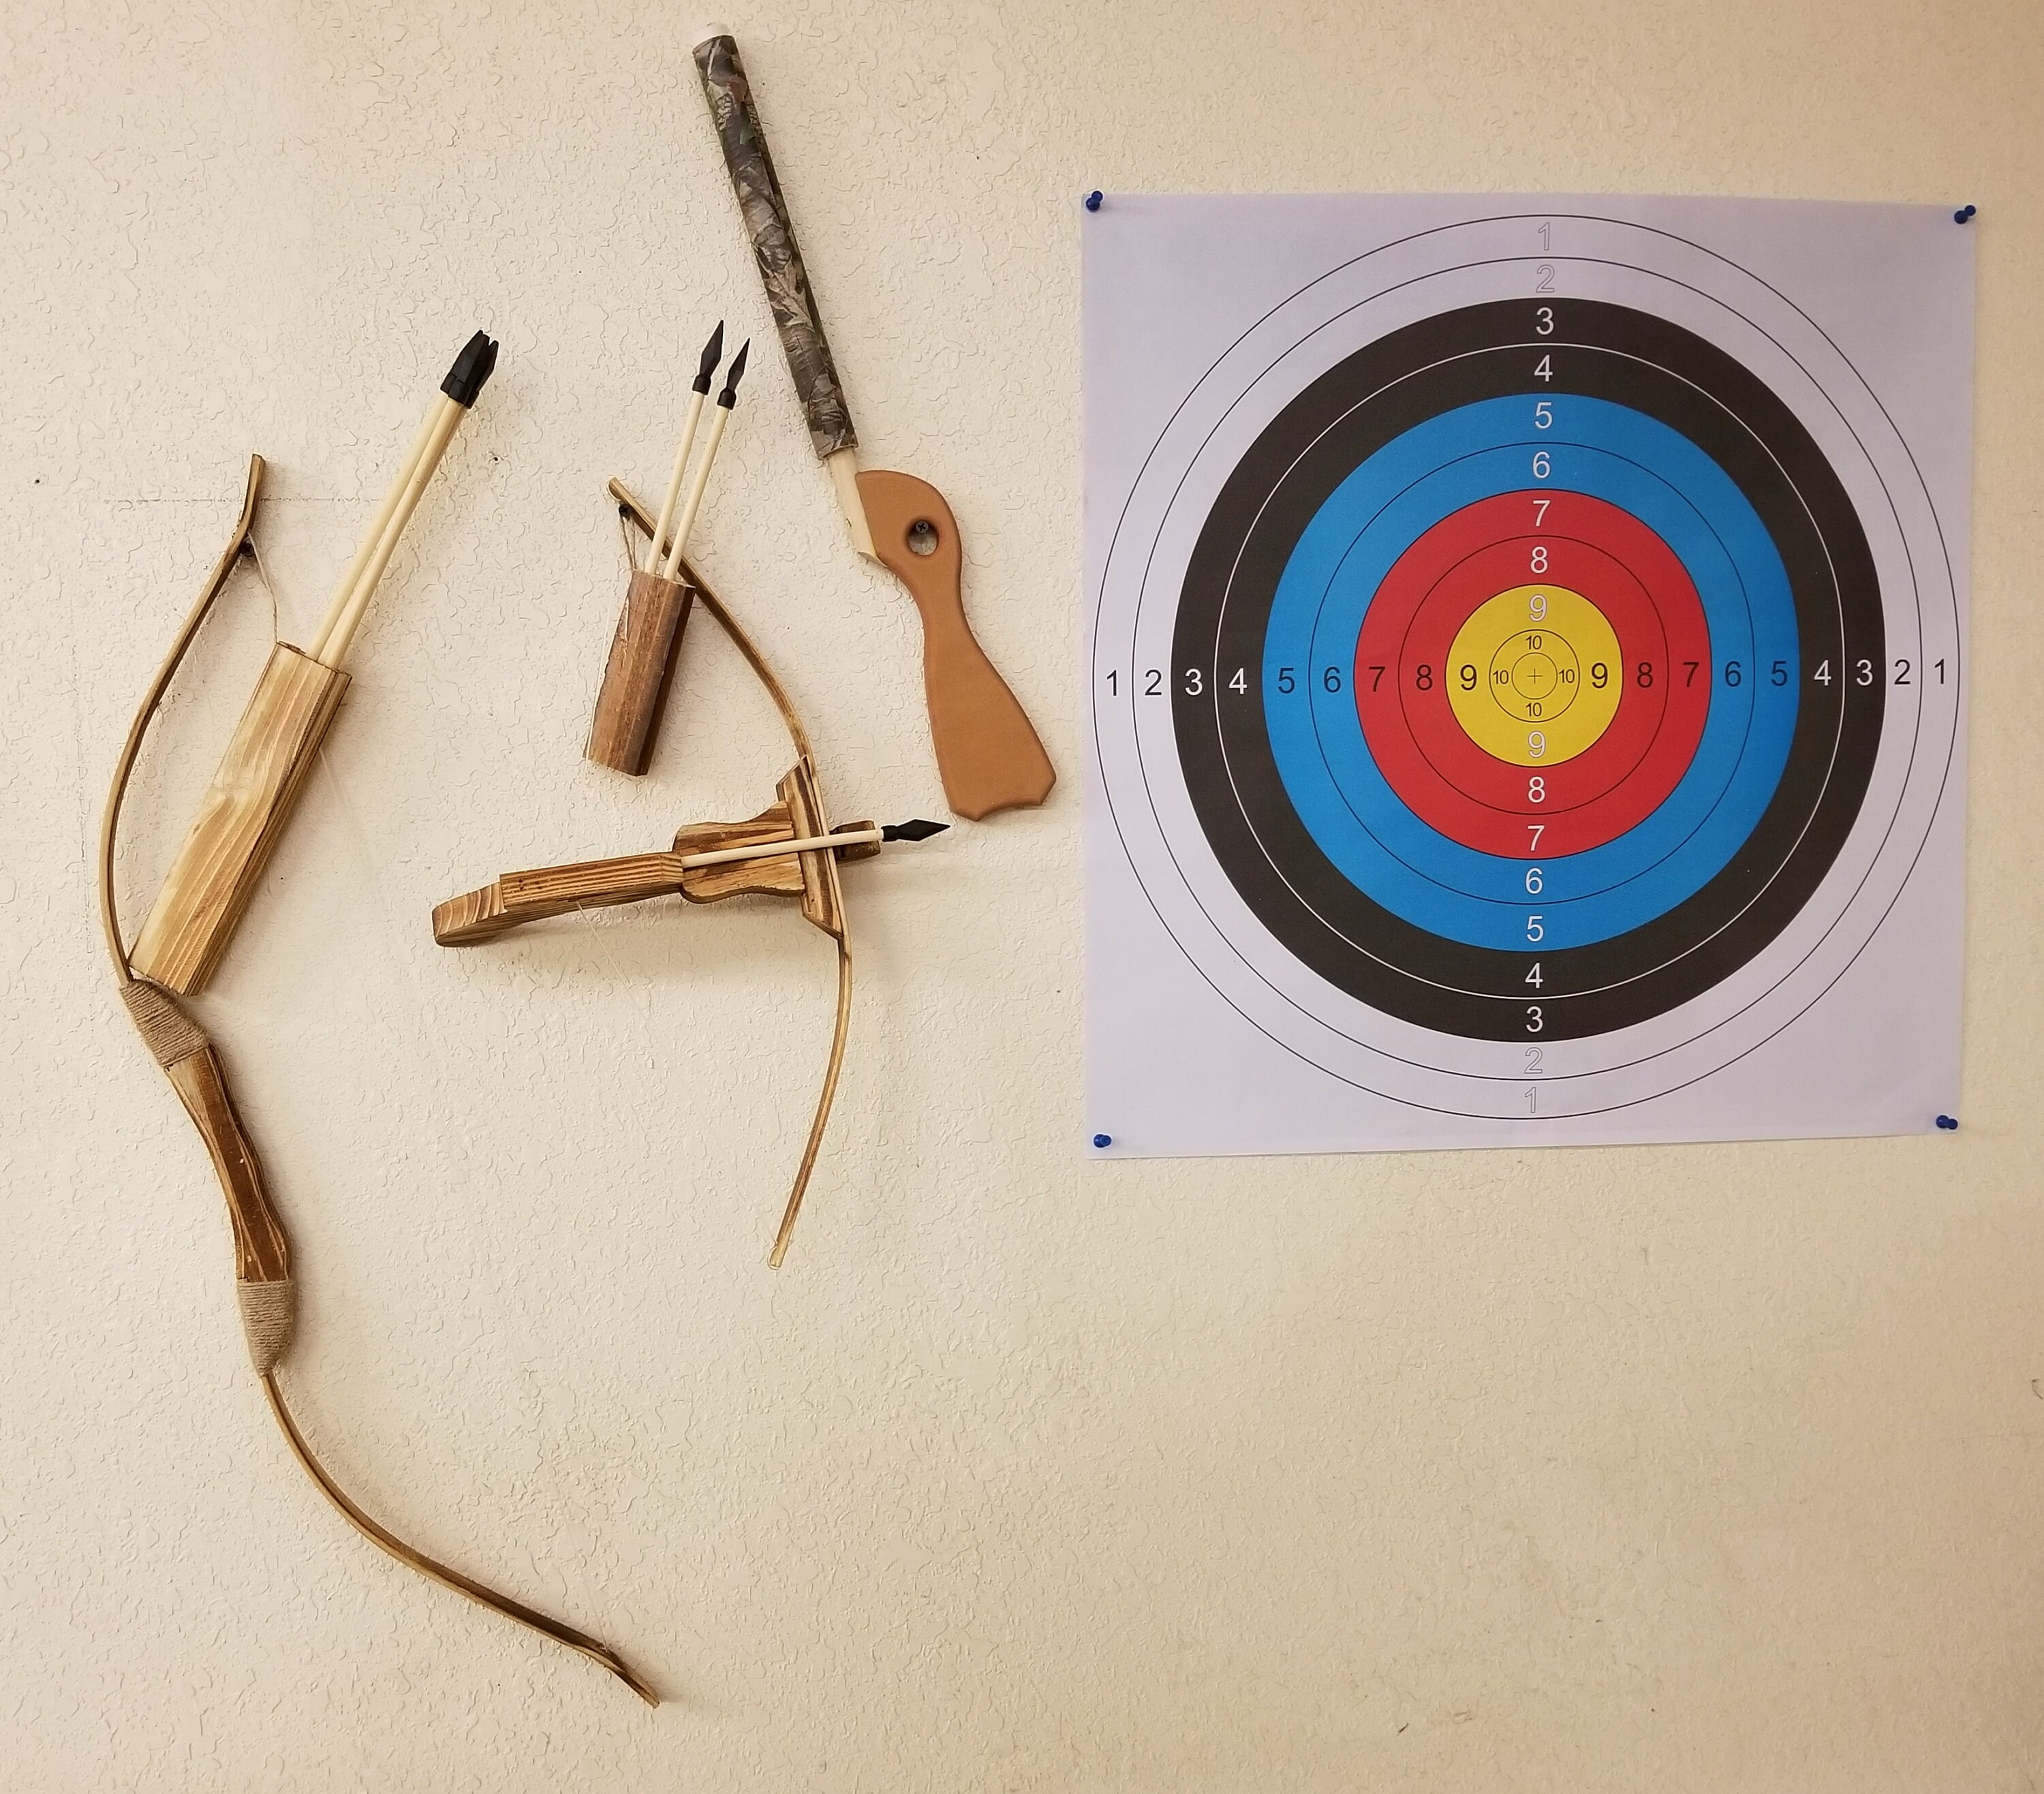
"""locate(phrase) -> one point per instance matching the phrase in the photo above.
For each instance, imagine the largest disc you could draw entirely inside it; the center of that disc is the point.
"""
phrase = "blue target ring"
(1628, 460)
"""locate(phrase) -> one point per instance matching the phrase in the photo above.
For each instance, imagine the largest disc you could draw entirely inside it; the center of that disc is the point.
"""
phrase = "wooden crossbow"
(789, 850)
(242, 813)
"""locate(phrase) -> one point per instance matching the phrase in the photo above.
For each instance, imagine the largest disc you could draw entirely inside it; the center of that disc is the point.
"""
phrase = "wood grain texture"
(262, 1252)
(810, 877)
(240, 820)
(777, 875)
(639, 674)
(987, 753)
(518, 897)
(823, 902)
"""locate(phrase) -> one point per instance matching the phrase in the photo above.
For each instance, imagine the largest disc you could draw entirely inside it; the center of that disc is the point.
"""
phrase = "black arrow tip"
(916, 829)
(712, 354)
(471, 371)
(729, 396)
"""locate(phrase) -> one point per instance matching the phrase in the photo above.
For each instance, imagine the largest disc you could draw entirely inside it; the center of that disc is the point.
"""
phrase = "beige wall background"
(1704, 1468)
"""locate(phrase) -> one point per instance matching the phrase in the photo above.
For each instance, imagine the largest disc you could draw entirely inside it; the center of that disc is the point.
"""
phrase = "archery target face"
(1526, 671)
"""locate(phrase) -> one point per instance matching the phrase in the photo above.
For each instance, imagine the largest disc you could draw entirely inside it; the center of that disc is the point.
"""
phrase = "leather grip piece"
(988, 752)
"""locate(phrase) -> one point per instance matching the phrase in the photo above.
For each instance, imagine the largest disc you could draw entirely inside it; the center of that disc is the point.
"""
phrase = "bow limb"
(152, 699)
(594, 1649)
(823, 1104)
(823, 905)
(636, 513)
(264, 1280)
(266, 1291)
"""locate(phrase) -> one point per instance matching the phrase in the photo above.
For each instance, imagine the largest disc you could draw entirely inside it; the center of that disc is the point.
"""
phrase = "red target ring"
(1613, 560)
(1618, 752)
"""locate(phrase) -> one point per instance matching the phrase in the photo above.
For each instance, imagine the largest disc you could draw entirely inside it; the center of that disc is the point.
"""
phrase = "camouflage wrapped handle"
(773, 246)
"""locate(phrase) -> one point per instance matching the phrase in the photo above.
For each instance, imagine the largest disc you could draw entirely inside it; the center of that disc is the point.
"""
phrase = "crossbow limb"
(263, 1280)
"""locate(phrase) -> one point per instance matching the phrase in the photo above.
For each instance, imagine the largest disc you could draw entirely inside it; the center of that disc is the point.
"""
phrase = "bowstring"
(263, 573)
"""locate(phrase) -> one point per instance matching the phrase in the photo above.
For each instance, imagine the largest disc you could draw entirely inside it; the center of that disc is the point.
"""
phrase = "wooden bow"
(263, 1276)
(730, 863)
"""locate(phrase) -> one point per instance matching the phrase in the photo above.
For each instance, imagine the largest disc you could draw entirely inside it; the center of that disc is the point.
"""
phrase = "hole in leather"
(922, 537)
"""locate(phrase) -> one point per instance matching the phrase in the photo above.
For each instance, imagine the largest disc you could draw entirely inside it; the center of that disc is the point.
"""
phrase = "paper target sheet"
(1526, 669)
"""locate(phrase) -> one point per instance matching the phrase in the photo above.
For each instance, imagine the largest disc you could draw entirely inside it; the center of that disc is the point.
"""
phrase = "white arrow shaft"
(767, 850)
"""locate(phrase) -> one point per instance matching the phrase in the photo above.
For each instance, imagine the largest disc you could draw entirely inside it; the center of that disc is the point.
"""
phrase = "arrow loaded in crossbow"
(988, 754)
(783, 851)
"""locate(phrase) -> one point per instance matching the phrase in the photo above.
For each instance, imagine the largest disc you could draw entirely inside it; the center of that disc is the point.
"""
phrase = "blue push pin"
(1108, 1139)
(1958, 217)
(1949, 1123)
(1093, 205)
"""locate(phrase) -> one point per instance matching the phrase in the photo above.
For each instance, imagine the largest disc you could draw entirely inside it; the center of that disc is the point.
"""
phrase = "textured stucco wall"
(1707, 1467)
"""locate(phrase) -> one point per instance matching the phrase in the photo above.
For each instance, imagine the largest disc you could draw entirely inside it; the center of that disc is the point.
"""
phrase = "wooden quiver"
(240, 820)
(264, 1283)
(639, 673)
